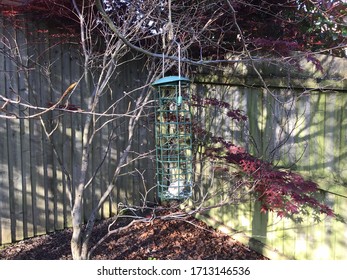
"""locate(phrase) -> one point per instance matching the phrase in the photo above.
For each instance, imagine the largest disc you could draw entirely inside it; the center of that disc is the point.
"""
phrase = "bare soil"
(189, 239)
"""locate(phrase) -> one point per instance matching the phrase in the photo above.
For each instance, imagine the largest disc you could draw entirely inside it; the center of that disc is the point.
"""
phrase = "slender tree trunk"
(76, 213)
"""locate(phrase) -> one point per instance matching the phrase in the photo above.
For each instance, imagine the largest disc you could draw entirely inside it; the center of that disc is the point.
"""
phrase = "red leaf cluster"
(234, 114)
(279, 47)
(281, 191)
(57, 15)
(42, 8)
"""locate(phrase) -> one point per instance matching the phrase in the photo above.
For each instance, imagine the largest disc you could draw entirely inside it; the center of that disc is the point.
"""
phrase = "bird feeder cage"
(173, 138)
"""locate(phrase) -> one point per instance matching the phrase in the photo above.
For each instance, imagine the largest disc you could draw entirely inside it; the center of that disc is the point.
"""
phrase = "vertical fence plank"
(23, 90)
(235, 126)
(317, 134)
(342, 138)
(55, 175)
(301, 133)
(47, 95)
(95, 160)
(65, 78)
(37, 158)
(14, 144)
(5, 215)
(268, 126)
(330, 124)
(32, 174)
(254, 112)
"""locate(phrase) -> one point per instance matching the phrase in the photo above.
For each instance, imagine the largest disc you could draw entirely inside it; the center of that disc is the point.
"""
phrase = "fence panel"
(34, 192)
(298, 128)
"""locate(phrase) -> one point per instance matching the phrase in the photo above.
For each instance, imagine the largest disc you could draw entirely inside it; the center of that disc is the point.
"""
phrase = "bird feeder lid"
(171, 81)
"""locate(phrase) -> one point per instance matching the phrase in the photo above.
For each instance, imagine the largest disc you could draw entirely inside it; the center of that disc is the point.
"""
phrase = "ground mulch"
(188, 239)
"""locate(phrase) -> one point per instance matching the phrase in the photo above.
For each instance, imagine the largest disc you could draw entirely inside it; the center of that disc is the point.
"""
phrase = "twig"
(115, 231)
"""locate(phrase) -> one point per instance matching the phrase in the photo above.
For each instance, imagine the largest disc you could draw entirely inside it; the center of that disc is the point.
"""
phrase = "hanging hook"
(167, 31)
(179, 99)
(171, 38)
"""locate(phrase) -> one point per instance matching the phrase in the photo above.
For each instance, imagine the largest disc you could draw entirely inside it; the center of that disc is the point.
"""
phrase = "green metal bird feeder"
(173, 128)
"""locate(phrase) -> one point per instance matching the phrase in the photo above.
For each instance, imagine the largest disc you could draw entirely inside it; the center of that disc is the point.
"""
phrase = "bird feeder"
(173, 130)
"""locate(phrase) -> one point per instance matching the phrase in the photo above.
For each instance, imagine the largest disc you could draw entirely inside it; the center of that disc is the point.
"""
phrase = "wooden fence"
(300, 124)
(36, 66)
(306, 133)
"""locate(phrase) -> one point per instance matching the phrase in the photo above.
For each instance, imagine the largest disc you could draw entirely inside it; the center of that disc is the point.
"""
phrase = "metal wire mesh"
(173, 140)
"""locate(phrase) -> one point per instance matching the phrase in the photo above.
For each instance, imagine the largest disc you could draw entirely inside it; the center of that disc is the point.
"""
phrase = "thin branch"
(201, 62)
(70, 89)
(115, 231)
